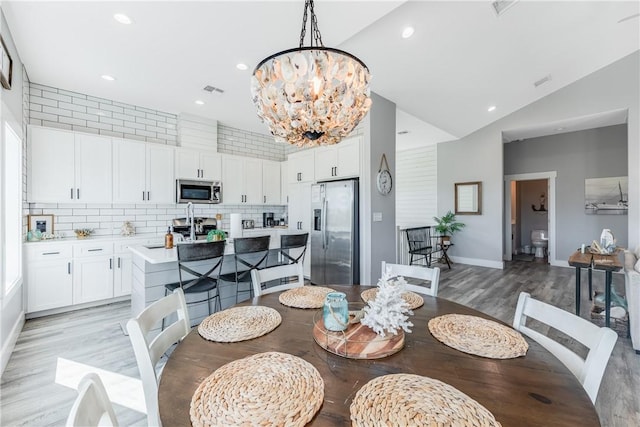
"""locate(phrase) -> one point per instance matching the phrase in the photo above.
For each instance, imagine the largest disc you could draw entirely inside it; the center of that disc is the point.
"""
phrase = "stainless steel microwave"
(188, 190)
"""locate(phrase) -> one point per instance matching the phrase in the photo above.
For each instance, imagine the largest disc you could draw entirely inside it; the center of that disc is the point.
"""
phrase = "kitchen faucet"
(191, 222)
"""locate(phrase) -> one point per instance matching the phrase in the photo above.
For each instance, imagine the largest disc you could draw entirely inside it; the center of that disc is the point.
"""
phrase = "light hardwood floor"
(30, 396)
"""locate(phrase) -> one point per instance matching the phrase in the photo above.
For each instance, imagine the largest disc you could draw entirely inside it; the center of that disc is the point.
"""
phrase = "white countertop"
(155, 255)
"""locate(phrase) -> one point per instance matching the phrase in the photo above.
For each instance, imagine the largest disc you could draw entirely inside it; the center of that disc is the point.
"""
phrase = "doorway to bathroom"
(529, 217)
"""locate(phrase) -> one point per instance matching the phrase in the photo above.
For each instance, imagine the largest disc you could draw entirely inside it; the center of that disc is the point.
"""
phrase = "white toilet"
(540, 241)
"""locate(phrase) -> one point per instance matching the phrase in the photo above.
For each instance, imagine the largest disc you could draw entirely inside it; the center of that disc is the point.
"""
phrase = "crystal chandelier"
(311, 95)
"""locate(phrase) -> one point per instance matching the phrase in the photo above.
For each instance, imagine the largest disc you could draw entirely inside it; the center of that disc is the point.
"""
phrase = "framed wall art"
(41, 223)
(6, 66)
(468, 198)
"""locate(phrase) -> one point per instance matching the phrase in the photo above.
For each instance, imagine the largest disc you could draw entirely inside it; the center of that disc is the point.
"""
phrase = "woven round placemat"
(239, 323)
(305, 297)
(475, 335)
(414, 300)
(266, 389)
(413, 400)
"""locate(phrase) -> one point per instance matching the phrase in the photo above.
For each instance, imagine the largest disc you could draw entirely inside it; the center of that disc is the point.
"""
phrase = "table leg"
(590, 288)
(607, 297)
(446, 258)
(578, 271)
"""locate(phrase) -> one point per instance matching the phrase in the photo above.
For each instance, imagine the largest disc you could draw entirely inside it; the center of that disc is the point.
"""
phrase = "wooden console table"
(607, 263)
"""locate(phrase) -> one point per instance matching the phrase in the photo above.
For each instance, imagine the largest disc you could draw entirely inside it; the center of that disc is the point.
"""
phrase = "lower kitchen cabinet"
(92, 279)
(50, 284)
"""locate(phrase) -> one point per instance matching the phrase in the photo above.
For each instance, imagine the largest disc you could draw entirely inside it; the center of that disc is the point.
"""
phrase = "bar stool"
(250, 253)
(203, 256)
(289, 243)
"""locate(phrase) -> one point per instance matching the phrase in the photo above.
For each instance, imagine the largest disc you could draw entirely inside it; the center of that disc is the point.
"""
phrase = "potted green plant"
(446, 225)
(215, 235)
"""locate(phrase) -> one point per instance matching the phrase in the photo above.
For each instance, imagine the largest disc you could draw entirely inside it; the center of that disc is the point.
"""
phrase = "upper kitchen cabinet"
(66, 166)
(192, 164)
(300, 167)
(143, 172)
(271, 191)
(241, 180)
(341, 160)
(284, 184)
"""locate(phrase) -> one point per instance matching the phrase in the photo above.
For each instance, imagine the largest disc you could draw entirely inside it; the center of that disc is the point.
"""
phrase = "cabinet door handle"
(265, 199)
(118, 262)
(95, 250)
(78, 193)
(68, 268)
(71, 194)
(110, 263)
(51, 253)
(148, 196)
(143, 196)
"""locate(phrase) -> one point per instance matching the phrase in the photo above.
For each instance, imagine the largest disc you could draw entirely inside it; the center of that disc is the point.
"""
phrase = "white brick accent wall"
(63, 109)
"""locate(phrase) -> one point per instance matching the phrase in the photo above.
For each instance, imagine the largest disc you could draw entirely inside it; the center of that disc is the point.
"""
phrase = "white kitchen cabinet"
(49, 277)
(300, 167)
(192, 164)
(341, 160)
(92, 272)
(143, 172)
(271, 182)
(122, 274)
(241, 180)
(65, 166)
(300, 206)
(284, 184)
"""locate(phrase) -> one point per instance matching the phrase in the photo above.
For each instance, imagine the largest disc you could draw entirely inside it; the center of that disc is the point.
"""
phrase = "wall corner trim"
(8, 346)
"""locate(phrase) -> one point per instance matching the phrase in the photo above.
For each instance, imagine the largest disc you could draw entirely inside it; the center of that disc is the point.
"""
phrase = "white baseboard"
(560, 263)
(479, 262)
(8, 346)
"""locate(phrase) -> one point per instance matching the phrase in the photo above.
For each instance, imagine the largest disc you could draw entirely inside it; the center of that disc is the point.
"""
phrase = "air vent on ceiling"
(500, 6)
(542, 80)
(403, 132)
(212, 89)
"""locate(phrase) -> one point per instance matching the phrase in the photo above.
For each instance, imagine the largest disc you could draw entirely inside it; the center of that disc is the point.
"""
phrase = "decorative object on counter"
(168, 239)
(410, 399)
(312, 95)
(305, 297)
(335, 313)
(215, 235)
(41, 223)
(127, 229)
(269, 388)
(239, 323)
(35, 235)
(81, 233)
(478, 336)
(388, 312)
(447, 225)
(607, 245)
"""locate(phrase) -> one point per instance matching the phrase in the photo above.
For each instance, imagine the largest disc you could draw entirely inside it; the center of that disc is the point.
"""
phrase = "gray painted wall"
(11, 311)
(593, 153)
(478, 156)
(381, 140)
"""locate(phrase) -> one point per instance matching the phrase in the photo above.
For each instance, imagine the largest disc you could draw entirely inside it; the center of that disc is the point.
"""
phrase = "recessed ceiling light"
(407, 32)
(108, 77)
(491, 108)
(122, 18)
(199, 102)
(241, 66)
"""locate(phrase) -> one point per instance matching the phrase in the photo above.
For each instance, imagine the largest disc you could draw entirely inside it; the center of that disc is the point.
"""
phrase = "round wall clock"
(383, 179)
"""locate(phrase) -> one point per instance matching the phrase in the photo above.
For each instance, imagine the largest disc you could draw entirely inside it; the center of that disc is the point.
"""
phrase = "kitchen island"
(154, 266)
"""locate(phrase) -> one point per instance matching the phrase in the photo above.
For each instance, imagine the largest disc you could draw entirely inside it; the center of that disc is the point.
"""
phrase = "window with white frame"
(11, 209)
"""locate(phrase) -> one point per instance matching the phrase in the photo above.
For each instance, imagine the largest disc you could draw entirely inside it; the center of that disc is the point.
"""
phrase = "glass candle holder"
(335, 314)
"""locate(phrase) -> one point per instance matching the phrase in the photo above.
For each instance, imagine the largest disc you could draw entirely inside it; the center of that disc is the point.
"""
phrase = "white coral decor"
(388, 311)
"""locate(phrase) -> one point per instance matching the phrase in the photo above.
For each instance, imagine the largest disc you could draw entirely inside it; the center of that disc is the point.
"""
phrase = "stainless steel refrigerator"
(335, 252)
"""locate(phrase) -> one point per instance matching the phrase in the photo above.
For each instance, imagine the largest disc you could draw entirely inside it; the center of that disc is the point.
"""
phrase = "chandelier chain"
(315, 32)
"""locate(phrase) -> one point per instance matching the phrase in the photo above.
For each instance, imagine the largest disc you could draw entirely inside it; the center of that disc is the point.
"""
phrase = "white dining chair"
(148, 349)
(599, 340)
(92, 406)
(258, 277)
(415, 272)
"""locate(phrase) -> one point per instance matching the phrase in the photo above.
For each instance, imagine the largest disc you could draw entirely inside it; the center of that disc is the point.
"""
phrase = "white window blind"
(416, 186)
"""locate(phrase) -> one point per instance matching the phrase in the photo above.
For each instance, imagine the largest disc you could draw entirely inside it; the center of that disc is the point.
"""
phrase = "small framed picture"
(41, 223)
(6, 66)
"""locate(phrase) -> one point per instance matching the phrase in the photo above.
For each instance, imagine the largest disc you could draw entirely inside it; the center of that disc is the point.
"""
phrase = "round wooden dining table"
(533, 390)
